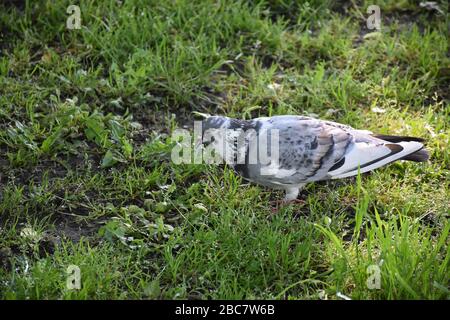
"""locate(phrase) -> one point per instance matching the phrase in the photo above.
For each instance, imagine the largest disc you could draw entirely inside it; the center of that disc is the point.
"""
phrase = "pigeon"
(309, 149)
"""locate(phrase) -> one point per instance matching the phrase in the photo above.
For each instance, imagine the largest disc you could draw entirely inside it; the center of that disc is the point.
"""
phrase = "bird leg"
(290, 198)
(292, 193)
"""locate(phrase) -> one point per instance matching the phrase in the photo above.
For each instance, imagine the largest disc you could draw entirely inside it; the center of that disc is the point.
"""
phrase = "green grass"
(86, 177)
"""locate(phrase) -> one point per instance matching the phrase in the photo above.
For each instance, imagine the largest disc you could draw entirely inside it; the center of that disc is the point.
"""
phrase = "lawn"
(87, 181)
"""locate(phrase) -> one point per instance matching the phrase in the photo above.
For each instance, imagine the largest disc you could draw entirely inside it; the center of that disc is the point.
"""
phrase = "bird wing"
(364, 157)
(312, 150)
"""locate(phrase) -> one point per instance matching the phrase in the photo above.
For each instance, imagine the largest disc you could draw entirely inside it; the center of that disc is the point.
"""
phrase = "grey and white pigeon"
(309, 149)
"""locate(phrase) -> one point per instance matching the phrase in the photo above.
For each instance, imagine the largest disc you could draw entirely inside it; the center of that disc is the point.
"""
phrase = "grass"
(86, 177)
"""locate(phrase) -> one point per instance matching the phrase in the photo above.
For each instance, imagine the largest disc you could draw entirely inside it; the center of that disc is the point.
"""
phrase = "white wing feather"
(367, 157)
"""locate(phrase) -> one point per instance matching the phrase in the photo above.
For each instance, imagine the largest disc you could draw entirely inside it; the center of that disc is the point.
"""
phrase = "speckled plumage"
(311, 150)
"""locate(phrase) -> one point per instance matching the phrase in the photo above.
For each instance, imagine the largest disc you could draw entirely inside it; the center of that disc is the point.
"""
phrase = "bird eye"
(211, 140)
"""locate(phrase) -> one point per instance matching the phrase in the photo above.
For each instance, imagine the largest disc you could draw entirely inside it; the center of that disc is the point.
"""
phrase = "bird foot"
(277, 204)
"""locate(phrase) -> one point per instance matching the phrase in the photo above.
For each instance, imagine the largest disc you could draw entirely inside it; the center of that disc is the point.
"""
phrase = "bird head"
(213, 131)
